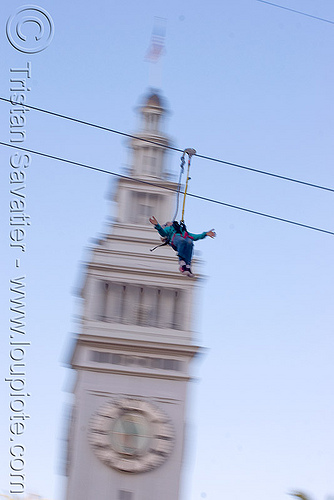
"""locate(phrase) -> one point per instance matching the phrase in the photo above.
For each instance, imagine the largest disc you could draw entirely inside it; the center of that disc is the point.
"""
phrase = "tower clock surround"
(131, 435)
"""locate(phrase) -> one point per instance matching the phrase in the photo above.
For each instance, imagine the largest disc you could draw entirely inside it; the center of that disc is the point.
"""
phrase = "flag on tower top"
(157, 45)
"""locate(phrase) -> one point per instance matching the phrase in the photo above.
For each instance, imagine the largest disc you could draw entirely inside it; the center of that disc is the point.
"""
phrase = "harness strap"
(190, 152)
(171, 241)
(179, 185)
(161, 245)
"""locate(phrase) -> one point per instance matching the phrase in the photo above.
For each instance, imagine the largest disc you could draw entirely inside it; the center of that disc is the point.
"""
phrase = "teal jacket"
(169, 231)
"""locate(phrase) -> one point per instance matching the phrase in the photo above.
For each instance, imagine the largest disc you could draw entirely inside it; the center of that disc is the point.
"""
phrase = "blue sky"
(245, 82)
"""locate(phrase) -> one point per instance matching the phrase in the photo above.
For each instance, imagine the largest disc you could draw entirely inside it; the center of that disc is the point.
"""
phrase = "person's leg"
(184, 247)
(177, 243)
(187, 250)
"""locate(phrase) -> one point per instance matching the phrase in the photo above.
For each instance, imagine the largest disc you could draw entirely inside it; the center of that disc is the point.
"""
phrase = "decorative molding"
(137, 346)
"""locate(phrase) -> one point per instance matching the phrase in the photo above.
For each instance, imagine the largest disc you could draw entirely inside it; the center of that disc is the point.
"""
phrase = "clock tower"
(133, 352)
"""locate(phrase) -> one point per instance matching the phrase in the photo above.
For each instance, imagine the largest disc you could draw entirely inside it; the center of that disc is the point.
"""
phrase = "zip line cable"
(94, 125)
(131, 136)
(198, 197)
(297, 11)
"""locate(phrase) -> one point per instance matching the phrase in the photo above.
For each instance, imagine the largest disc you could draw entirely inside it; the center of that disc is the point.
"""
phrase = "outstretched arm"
(153, 220)
(211, 233)
(157, 226)
(201, 236)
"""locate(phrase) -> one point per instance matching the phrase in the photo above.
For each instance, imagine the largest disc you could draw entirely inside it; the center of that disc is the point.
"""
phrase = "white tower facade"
(134, 349)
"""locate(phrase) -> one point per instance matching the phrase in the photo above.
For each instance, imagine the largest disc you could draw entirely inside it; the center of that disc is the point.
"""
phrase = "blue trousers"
(184, 248)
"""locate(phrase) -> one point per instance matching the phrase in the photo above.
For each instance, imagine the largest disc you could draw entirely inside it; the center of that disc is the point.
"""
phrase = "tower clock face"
(131, 435)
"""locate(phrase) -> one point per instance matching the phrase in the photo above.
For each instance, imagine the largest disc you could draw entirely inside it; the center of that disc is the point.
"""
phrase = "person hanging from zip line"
(177, 236)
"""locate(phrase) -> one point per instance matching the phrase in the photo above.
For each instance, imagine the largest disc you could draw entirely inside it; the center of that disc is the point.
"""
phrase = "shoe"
(188, 272)
(183, 269)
